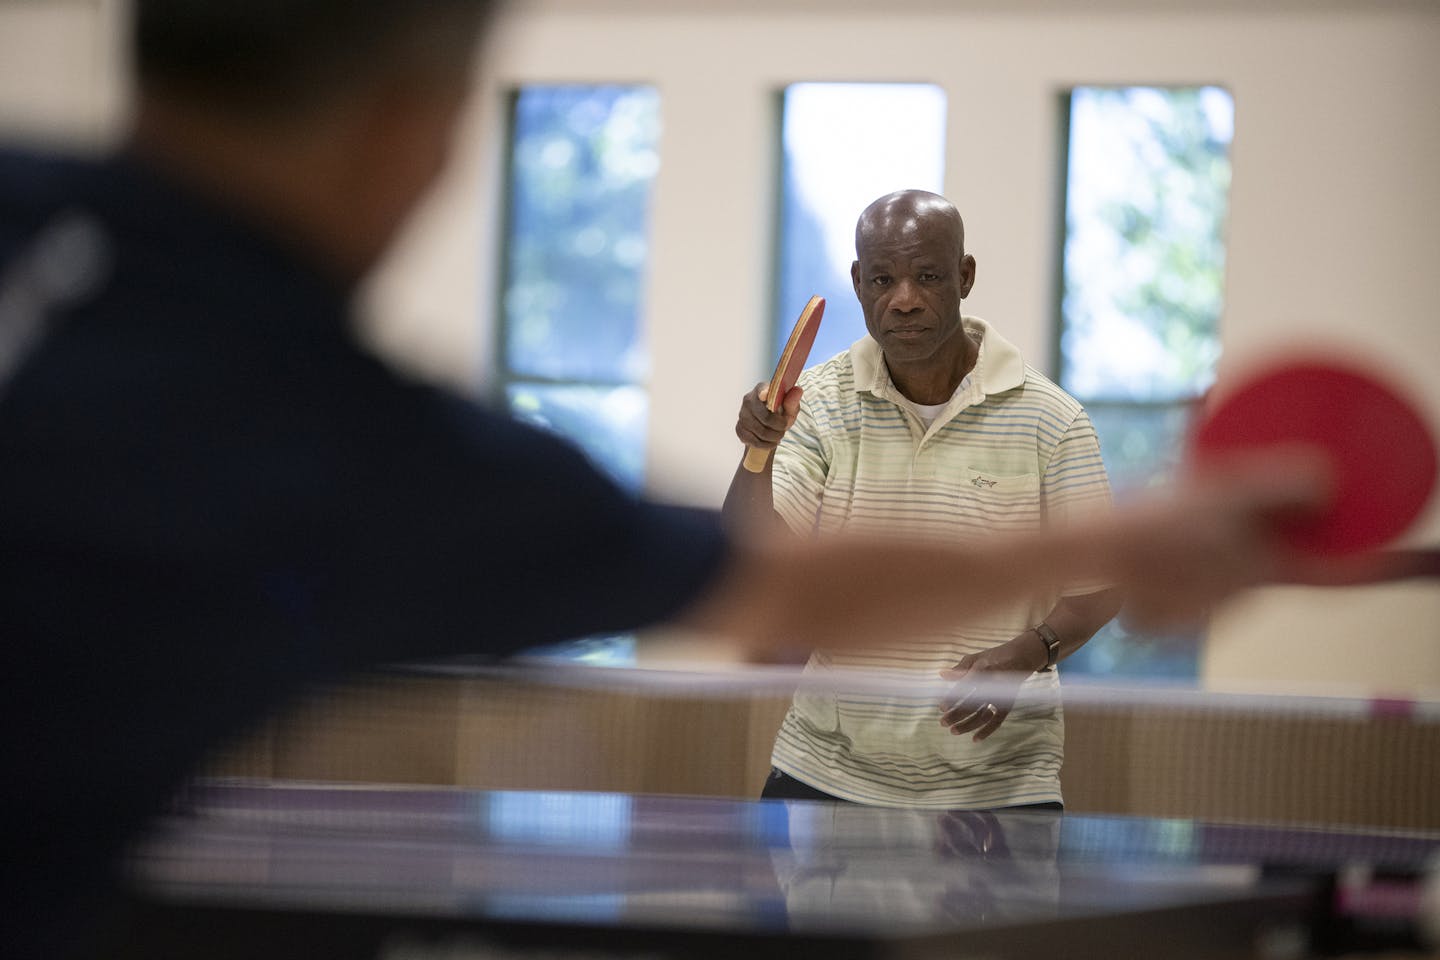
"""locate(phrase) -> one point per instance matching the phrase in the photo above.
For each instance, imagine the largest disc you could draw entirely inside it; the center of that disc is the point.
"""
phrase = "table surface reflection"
(764, 869)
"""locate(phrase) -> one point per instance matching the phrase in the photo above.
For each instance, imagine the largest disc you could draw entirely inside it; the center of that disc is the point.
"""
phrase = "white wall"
(1332, 236)
(60, 76)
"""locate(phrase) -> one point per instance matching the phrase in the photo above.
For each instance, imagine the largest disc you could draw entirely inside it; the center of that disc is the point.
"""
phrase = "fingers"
(991, 726)
(1380, 567)
(791, 406)
(758, 425)
(1293, 479)
(1181, 558)
(972, 711)
(961, 670)
(982, 719)
(956, 675)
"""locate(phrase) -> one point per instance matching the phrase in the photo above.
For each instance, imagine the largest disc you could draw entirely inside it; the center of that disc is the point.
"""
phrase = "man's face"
(910, 279)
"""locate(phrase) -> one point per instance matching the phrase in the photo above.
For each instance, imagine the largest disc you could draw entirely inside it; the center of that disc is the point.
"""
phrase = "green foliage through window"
(844, 145)
(1146, 197)
(573, 357)
(573, 351)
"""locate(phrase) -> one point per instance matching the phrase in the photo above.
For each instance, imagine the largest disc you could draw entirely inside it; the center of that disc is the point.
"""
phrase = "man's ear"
(855, 276)
(399, 141)
(967, 270)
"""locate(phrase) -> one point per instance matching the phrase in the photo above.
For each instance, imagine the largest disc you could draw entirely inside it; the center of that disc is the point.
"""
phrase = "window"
(1146, 195)
(572, 355)
(834, 163)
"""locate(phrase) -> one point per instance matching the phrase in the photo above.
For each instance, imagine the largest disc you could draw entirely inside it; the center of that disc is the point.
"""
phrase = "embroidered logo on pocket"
(1022, 483)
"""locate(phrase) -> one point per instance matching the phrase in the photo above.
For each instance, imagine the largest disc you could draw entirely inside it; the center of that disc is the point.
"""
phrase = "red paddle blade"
(797, 350)
(1381, 453)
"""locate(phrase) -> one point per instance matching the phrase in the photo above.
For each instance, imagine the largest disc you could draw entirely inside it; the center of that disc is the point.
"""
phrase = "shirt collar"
(998, 368)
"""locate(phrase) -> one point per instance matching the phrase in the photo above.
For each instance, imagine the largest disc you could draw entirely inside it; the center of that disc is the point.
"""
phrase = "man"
(210, 495)
(931, 425)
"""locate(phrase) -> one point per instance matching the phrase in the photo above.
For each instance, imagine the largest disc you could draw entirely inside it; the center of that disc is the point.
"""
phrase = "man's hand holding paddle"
(766, 413)
(775, 397)
(761, 428)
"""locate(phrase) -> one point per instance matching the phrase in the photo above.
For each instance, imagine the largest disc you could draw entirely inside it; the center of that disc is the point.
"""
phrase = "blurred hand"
(1218, 534)
(1383, 566)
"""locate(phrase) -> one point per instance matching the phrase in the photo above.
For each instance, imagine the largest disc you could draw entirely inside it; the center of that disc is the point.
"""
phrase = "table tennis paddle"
(1380, 452)
(787, 371)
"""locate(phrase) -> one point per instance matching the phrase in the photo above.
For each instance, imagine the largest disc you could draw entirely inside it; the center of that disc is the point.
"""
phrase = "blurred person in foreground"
(210, 495)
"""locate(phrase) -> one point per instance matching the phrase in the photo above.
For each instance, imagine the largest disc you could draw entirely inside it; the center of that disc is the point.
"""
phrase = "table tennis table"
(283, 869)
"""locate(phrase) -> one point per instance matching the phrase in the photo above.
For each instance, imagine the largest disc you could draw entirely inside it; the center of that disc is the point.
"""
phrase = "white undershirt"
(929, 412)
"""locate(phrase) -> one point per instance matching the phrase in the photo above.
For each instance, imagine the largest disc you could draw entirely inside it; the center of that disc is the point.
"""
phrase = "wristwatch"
(1052, 644)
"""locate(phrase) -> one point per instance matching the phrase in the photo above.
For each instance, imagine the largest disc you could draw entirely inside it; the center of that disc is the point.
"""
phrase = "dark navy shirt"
(209, 494)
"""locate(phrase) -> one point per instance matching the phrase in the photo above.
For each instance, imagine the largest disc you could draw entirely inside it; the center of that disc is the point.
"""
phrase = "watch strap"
(1052, 644)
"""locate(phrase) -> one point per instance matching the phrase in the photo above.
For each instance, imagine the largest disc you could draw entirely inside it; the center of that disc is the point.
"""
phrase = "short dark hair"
(283, 54)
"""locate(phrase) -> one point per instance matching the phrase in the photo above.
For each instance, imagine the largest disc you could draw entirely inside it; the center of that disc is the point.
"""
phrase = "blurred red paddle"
(1380, 452)
(787, 371)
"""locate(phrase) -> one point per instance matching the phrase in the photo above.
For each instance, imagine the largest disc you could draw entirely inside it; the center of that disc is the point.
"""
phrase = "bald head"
(905, 214)
(911, 273)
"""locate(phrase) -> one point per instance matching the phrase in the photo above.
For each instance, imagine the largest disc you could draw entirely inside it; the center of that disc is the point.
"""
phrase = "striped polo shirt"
(1010, 450)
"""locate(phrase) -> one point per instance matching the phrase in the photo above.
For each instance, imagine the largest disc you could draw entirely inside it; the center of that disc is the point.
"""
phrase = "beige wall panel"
(1258, 765)
(383, 729)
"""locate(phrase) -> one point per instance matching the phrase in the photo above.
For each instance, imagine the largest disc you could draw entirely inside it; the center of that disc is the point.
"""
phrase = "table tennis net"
(1129, 750)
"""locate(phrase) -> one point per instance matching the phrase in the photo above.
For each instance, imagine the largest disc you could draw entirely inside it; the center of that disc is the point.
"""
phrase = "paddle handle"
(756, 458)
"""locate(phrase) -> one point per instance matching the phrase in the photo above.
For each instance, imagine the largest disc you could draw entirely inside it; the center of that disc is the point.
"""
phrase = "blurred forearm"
(1174, 559)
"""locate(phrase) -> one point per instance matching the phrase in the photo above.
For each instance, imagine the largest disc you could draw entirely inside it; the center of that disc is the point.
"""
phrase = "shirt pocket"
(817, 709)
(998, 501)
